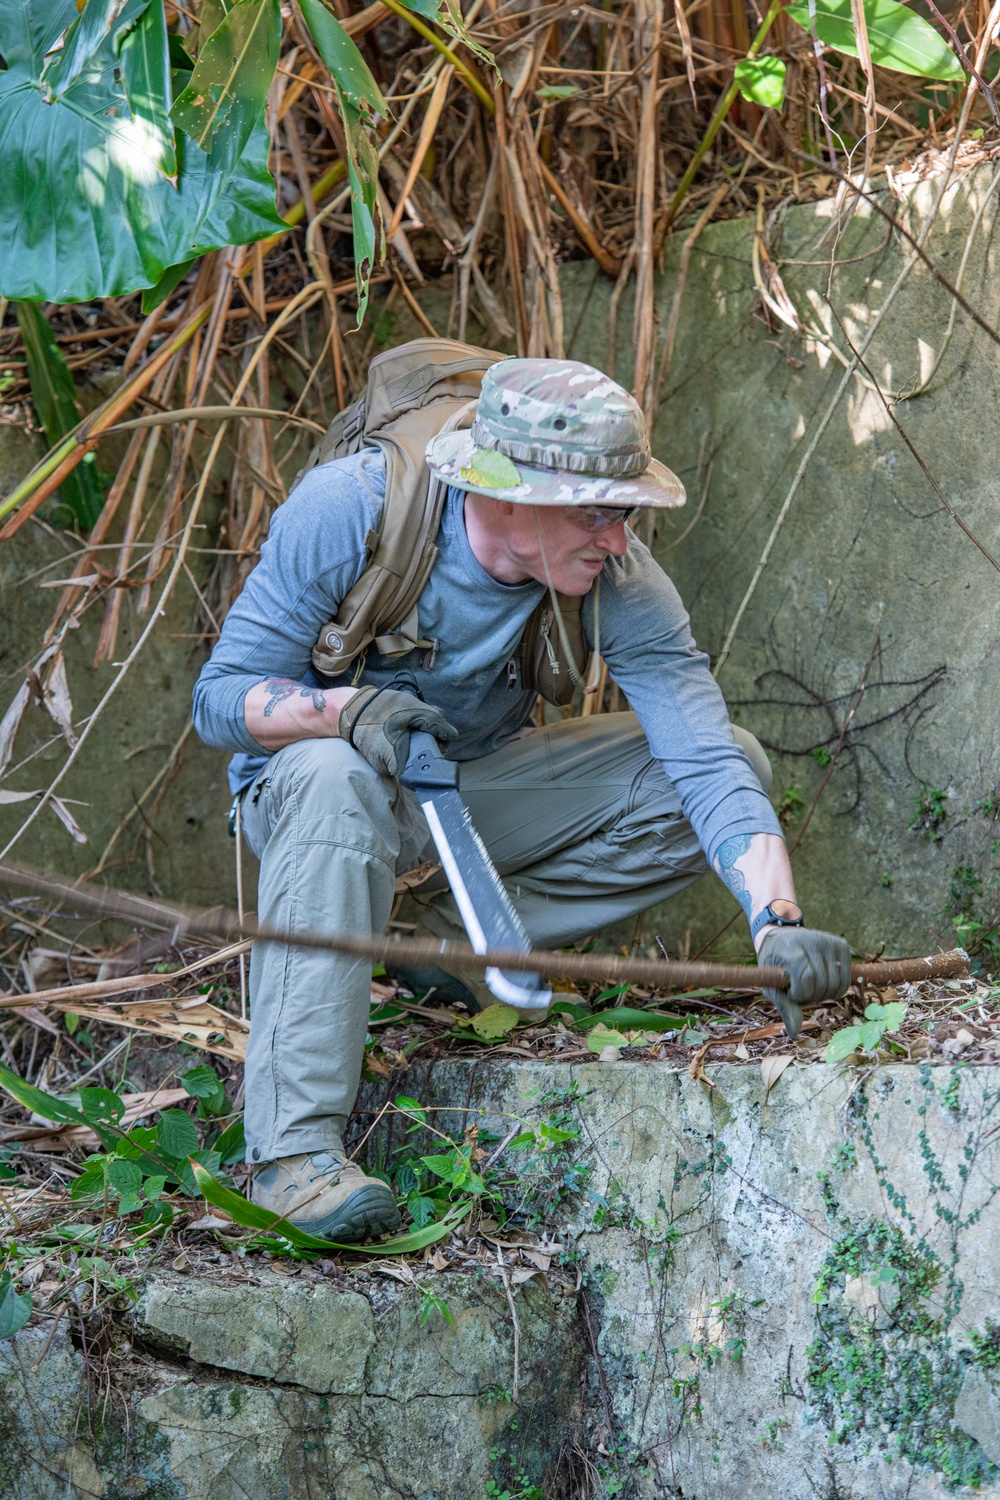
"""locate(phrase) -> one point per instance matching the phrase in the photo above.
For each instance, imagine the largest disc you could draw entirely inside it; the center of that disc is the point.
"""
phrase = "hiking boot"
(326, 1196)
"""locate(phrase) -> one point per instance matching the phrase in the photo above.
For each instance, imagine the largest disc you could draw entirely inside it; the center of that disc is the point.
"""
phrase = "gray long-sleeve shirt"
(316, 552)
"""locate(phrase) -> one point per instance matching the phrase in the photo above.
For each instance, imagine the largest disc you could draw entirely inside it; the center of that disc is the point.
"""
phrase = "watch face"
(787, 911)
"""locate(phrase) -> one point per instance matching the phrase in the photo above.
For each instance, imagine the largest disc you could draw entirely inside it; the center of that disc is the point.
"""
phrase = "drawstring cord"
(564, 641)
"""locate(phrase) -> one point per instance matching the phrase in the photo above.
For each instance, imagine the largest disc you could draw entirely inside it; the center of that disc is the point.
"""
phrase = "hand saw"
(487, 911)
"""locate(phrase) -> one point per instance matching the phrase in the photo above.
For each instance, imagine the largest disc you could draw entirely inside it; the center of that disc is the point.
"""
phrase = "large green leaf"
(85, 210)
(228, 89)
(54, 397)
(898, 38)
(357, 96)
(145, 66)
(342, 59)
(448, 15)
(98, 20)
(15, 1309)
(252, 1216)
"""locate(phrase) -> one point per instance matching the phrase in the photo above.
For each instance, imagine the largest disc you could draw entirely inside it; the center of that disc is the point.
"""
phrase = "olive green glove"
(377, 723)
(818, 964)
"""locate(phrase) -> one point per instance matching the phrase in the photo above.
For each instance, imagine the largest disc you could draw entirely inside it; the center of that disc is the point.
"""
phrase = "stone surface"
(977, 1412)
(777, 1295)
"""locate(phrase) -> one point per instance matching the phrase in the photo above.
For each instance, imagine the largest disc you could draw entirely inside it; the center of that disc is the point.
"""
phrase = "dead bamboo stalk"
(608, 968)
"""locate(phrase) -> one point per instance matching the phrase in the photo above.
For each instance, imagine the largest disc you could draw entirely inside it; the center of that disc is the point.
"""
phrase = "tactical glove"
(377, 723)
(818, 965)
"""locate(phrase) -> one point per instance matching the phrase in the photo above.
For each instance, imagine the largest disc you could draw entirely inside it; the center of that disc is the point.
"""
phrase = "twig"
(505, 1278)
(410, 952)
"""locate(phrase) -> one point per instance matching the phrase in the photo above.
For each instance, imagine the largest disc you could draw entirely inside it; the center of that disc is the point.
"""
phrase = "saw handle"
(426, 767)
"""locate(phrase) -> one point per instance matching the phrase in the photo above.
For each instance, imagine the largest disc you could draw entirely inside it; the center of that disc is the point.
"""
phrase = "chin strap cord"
(564, 641)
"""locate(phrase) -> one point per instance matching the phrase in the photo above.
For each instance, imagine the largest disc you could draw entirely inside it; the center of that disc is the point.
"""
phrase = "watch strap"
(769, 918)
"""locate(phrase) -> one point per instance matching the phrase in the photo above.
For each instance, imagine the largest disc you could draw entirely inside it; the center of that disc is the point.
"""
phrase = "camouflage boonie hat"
(555, 432)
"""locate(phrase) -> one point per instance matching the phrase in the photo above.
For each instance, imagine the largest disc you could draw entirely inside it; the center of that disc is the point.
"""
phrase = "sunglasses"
(599, 517)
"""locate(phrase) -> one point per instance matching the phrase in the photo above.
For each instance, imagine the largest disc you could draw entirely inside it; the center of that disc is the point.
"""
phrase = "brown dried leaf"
(67, 819)
(57, 701)
(11, 723)
(771, 1069)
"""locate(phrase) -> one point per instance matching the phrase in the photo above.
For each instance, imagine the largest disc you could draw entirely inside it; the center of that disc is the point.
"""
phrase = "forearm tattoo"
(725, 863)
(280, 688)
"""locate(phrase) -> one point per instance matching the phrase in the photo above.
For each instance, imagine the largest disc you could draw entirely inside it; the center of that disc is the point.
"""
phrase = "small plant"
(866, 1035)
(821, 756)
(431, 1303)
(790, 807)
(986, 1345)
(929, 811)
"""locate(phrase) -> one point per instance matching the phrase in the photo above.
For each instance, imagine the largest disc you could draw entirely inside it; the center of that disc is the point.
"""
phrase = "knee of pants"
(338, 795)
(755, 754)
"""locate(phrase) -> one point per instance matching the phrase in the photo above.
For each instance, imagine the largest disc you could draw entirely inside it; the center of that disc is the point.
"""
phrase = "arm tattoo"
(725, 863)
(280, 688)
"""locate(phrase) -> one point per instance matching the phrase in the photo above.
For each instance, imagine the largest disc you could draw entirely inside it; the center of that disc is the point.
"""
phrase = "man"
(588, 821)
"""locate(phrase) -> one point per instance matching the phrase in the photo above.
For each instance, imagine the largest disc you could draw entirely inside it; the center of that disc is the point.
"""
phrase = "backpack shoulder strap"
(413, 393)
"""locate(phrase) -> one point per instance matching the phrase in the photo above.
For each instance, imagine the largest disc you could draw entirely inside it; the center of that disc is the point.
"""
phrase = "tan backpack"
(414, 392)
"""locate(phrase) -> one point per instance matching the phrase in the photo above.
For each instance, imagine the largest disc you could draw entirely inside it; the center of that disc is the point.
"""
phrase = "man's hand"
(377, 722)
(818, 964)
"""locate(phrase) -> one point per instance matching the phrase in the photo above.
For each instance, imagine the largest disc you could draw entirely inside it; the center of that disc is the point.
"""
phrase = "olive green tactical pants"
(579, 819)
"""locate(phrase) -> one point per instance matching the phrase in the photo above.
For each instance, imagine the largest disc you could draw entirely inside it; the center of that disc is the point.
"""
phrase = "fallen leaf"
(494, 1022)
(771, 1069)
(600, 1037)
(538, 1259)
(57, 701)
(742, 1052)
(609, 1054)
(522, 1274)
(11, 723)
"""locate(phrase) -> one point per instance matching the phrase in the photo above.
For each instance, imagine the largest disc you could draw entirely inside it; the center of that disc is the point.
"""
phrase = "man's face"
(564, 545)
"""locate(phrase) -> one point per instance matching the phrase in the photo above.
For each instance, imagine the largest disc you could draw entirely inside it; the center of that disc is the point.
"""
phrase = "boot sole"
(366, 1214)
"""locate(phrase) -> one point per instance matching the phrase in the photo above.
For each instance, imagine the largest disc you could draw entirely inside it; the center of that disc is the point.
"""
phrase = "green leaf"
(15, 1309)
(252, 1216)
(145, 67)
(492, 470)
(411, 1107)
(601, 1037)
(843, 1043)
(101, 1106)
(85, 211)
(153, 1187)
(204, 1083)
(898, 38)
(892, 1015)
(39, 1103)
(96, 22)
(342, 59)
(421, 1209)
(632, 1019)
(495, 1021)
(228, 89)
(557, 91)
(176, 1133)
(231, 1144)
(54, 396)
(762, 80)
(358, 96)
(125, 1177)
(870, 1033)
(448, 15)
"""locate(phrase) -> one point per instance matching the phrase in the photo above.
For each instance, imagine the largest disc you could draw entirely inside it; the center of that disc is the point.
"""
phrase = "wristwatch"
(777, 914)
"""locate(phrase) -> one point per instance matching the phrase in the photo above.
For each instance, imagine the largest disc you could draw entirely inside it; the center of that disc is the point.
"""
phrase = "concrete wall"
(787, 1294)
(869, 582)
